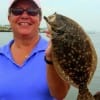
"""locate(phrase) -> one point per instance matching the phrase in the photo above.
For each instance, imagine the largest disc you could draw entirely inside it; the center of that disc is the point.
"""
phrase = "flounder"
(97, 95)
(73, 53)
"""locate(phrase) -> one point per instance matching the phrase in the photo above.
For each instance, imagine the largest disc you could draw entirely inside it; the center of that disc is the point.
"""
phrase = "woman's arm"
(58, 87)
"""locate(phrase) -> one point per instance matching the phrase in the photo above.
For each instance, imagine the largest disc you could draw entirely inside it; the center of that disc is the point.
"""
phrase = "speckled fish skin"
(73, 53)
(97, 95)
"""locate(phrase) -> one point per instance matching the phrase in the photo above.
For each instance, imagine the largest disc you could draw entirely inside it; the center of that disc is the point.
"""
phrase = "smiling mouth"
(24, 23)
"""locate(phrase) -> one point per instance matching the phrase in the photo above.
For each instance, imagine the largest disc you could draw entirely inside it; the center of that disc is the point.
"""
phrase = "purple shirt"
(25, 82)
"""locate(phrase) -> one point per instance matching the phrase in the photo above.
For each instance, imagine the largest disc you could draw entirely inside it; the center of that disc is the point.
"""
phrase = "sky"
(85, 12)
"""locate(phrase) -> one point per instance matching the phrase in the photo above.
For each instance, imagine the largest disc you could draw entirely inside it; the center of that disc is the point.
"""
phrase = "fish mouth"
(46, 19)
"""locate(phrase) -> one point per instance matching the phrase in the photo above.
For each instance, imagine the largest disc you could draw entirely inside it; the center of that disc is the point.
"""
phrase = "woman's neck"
(21, 49)
(26, 42)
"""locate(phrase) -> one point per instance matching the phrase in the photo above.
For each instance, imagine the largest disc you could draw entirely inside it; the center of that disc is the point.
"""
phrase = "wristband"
(47, 61)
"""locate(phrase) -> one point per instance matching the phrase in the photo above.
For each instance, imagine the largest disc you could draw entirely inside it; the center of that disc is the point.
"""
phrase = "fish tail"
(85, 94)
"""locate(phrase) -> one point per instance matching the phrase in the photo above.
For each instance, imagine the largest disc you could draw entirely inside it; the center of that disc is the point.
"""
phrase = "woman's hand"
(48, 51)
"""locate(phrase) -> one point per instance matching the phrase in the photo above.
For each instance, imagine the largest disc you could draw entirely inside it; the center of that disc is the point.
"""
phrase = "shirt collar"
(41, 46)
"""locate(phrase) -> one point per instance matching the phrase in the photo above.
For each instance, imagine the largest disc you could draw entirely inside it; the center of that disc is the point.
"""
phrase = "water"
(94, 86)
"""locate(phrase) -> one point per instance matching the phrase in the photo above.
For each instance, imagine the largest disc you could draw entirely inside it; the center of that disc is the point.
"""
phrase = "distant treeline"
(7, 28)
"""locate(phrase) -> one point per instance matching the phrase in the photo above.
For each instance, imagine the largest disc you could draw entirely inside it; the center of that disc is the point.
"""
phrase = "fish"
(97, 95)
(73, 53)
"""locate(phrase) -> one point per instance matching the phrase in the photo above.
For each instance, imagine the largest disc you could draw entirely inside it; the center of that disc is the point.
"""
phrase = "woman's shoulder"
(5, 48)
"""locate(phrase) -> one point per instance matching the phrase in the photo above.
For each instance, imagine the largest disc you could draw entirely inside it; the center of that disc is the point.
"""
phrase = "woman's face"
(24, 23)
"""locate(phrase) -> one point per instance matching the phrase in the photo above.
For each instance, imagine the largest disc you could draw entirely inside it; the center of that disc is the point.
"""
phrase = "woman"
(24, 75)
